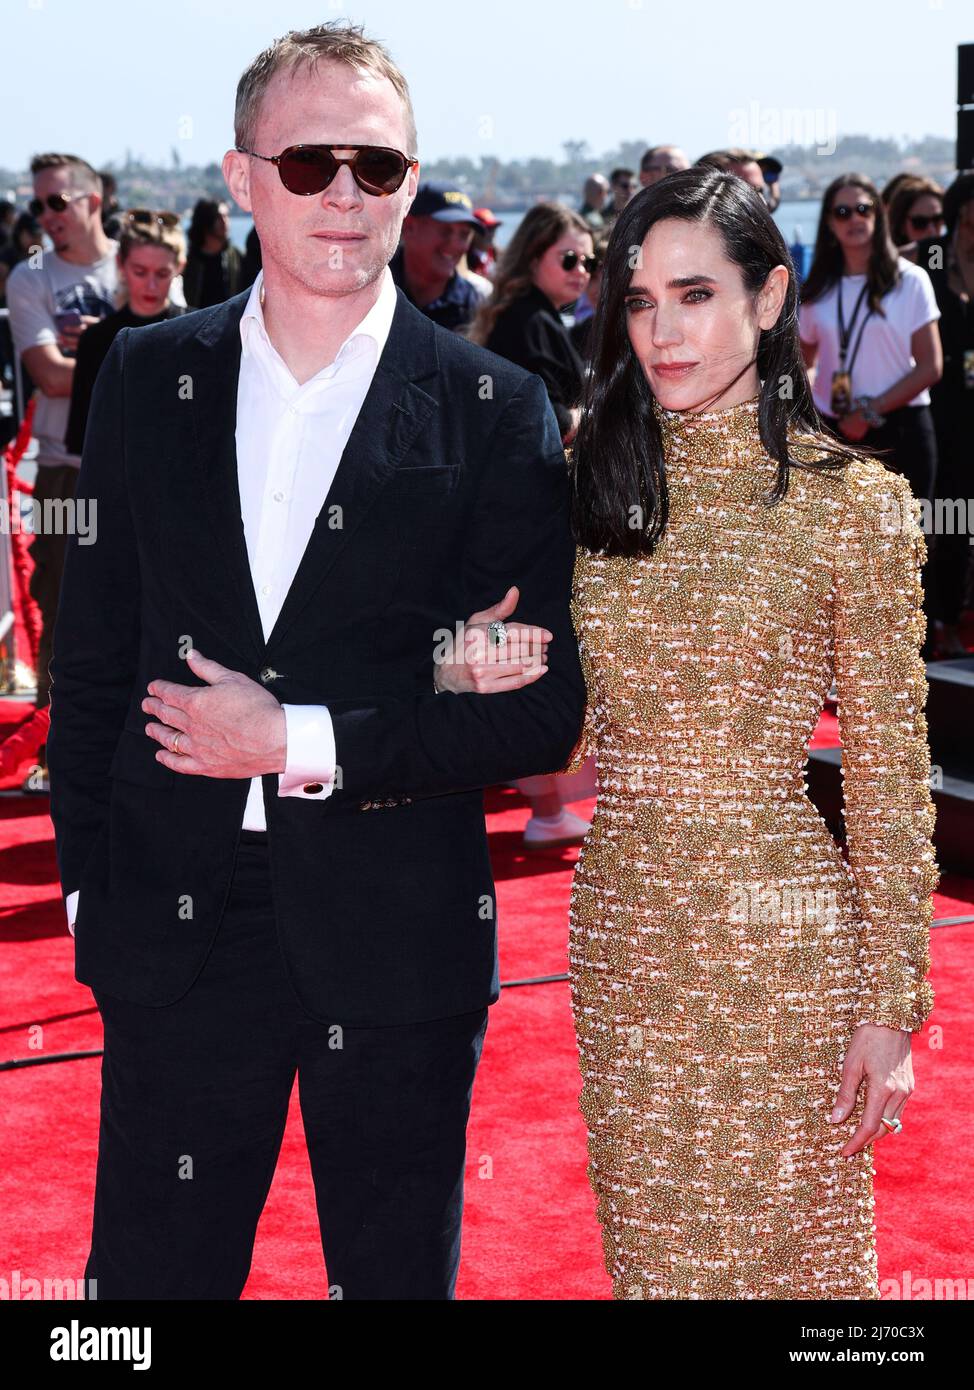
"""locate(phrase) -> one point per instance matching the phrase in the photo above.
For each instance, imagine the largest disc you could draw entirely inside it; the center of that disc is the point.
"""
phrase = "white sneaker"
(555, 832)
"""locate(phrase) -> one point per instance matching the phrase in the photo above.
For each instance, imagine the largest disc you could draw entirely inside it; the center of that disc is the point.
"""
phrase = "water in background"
(797, 221)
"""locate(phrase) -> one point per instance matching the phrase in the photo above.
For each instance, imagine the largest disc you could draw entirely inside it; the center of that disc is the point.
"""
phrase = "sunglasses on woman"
(146, 215)
(843, 211)
(922, 222)
(570, 260)
(55, 202)
(307, 169)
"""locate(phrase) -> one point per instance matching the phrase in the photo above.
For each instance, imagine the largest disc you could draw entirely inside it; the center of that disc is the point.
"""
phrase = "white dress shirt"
(290, 439)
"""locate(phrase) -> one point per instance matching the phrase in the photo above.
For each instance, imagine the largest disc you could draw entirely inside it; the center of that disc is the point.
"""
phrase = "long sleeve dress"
(722, 951)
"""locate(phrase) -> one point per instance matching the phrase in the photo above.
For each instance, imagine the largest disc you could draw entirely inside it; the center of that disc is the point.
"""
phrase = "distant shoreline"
(793, 214)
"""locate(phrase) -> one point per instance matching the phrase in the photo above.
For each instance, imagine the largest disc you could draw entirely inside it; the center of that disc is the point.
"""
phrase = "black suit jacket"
(530, 332)
(453, 486)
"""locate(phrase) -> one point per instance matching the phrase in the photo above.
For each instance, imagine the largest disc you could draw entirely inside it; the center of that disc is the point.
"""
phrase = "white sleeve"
(31, 317)
(923, 302)
(310, 756)
(71, 904)
(807, 327)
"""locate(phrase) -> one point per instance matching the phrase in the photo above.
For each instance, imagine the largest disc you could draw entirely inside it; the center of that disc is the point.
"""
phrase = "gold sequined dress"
(722, 952)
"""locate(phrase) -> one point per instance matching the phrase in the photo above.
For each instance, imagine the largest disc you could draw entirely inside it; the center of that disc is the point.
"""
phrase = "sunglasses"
(55, 202)
(843, 211)
(146, 215)
(570, 260)
(307, 169)
(921, 222)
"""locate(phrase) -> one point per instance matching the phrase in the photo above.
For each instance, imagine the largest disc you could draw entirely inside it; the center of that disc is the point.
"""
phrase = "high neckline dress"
(722, 951)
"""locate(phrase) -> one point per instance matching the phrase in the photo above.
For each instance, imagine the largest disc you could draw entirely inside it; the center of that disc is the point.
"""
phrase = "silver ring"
(497, 633)
(892, 1126)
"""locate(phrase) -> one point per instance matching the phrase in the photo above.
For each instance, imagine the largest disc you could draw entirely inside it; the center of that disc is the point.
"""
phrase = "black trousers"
(953, 550)
(193, 1109)
(909, 442)
(55, 482)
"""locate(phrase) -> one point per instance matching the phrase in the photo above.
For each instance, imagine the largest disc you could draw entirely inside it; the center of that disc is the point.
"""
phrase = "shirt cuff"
(309, 767)
(71, 907)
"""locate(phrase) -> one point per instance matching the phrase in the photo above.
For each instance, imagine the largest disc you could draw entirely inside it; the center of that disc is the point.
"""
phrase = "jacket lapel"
(214, 388)
(394, 412)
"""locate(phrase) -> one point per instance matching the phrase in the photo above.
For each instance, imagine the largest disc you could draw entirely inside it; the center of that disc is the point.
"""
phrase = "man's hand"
(235, 728)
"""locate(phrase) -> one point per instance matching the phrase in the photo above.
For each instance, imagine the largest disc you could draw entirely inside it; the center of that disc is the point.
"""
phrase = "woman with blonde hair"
(151, 254)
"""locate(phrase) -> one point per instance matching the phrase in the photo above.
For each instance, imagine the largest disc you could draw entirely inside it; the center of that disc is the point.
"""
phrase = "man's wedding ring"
(175, 743)
(497, 633)
(892, 1126)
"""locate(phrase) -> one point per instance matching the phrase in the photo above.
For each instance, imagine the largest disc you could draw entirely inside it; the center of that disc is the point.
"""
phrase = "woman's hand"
(854, 425)
(480, 668)
(881, 1057)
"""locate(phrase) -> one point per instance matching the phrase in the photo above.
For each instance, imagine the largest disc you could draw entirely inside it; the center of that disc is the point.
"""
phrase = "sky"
(511, 78)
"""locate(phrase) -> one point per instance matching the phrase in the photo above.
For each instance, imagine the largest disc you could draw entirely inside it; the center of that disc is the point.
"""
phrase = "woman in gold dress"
(743, 998)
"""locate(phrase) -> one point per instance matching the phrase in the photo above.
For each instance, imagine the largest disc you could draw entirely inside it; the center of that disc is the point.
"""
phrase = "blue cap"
(444, 203)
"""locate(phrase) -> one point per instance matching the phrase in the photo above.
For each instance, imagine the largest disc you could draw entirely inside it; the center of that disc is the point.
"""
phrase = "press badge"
(841, 393)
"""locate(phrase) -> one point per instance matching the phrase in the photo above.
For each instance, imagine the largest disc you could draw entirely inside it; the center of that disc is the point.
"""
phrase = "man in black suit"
(212, 677)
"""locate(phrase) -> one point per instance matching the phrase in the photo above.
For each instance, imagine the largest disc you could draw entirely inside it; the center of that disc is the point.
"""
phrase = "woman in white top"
(868, 325)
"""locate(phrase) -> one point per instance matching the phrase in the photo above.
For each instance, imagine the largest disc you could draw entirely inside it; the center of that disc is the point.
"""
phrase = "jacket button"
(313, 788)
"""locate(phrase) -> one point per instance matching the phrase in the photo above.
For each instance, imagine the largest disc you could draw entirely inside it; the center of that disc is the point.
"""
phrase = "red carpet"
(530, 1229)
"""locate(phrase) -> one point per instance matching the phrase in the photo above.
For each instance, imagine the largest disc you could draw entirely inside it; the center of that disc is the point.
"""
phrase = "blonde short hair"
(336, 42)
(144, 227)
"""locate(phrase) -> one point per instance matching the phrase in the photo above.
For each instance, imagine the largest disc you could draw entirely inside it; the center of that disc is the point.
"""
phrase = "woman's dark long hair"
(828, 263)
(540, 227)
(961, 191)
(618, 455)
(205, 214)
(900, 204)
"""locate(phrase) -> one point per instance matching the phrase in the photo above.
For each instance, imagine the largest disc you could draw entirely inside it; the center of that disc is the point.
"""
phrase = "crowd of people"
(696, 533)
(886, 322)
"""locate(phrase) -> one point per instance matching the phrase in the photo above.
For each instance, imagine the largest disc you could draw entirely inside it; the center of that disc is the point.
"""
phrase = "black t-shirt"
(93, 348)
(530, 332)
(956, 324)
(214, 288)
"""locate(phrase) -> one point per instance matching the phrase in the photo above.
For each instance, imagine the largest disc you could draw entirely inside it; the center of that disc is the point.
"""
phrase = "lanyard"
(846, 333)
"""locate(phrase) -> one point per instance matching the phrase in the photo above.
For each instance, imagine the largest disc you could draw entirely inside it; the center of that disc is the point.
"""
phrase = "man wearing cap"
(482, 254)
(435, 236)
